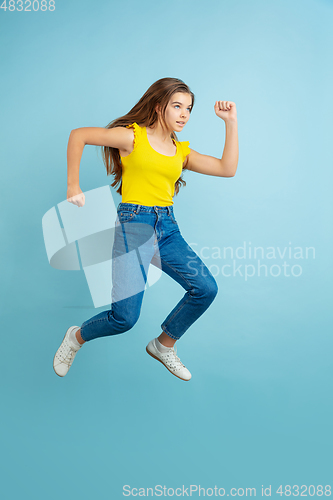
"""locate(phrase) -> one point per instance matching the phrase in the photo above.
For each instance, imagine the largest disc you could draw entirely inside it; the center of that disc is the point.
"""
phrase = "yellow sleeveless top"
(148, 177)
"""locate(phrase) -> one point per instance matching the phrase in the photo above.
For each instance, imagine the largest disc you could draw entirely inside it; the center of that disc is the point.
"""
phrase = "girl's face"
(177, 112)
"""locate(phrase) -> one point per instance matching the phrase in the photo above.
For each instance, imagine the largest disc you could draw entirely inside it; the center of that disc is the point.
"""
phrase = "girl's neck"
(159, 134)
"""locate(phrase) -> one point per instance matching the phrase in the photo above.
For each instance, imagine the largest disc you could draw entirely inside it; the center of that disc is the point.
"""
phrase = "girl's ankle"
(78, 337)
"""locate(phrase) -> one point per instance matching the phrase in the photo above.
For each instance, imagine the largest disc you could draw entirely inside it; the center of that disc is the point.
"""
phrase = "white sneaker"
(170, 360)
(65, 355)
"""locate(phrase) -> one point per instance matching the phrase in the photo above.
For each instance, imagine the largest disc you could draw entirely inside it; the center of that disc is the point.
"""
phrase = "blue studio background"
(258, 410)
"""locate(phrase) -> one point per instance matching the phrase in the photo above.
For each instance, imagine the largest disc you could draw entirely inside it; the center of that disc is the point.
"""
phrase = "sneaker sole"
(56, 354)
(152, 355)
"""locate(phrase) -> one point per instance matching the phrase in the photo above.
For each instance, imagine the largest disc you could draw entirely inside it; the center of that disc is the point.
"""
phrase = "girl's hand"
(75, 196)
(226, 110)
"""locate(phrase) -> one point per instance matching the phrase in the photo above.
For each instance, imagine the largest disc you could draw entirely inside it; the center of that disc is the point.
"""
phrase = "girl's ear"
(157, 108)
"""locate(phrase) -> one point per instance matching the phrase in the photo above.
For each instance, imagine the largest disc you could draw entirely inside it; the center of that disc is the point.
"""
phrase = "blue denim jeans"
(146, 235)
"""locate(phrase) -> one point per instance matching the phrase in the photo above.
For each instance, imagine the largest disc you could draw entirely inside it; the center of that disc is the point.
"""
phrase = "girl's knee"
(129, 322)
(211, 288)
(124, 322)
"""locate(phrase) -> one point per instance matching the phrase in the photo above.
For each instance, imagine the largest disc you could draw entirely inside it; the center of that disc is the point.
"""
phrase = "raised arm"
(117, 137)
(227, 165)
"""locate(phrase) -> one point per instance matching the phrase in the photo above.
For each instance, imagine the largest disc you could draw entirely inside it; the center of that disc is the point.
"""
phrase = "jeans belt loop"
(137, 209)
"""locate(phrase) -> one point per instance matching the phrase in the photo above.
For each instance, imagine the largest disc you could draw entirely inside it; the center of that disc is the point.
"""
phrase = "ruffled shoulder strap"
(185, 148)
(137, 132)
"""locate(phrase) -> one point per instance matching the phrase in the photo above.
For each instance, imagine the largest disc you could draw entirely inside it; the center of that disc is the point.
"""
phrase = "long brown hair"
(144, 114)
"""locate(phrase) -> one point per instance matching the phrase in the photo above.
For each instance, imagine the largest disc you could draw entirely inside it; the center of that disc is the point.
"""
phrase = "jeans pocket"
(126, 215)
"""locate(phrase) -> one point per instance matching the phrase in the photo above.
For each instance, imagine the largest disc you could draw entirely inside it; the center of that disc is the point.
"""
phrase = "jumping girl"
(143, 153)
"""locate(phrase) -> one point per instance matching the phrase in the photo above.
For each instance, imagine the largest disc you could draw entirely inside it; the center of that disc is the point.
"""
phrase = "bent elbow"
(76, 131)
(230, 174)
(79, 134)
(234, 172)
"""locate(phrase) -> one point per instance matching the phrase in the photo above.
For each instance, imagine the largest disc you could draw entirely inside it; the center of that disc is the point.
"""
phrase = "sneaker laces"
(66, 353)
(174, 362)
